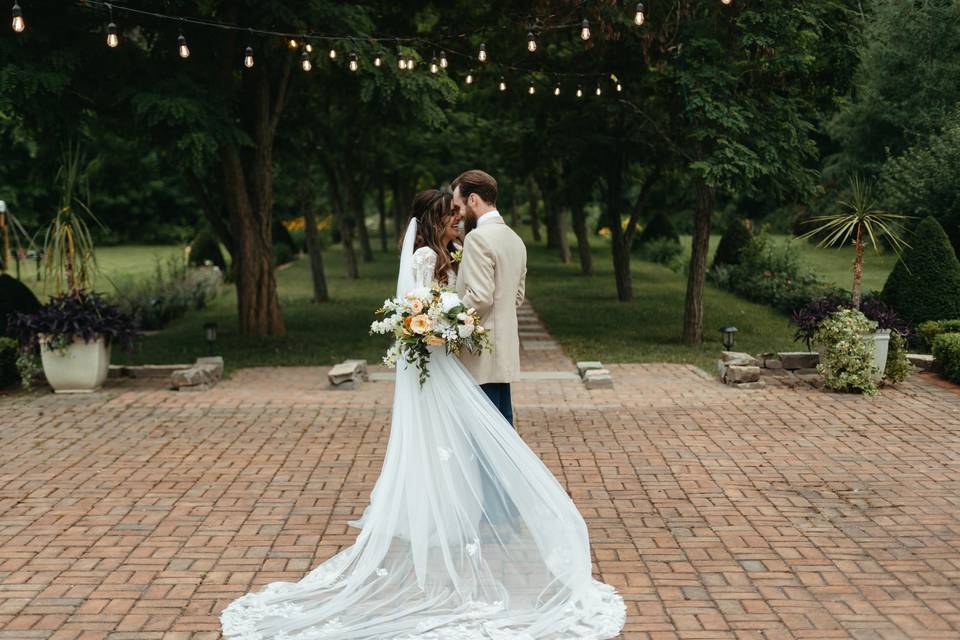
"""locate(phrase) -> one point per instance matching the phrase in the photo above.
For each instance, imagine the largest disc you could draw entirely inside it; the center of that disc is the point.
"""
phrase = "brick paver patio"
(139, 513)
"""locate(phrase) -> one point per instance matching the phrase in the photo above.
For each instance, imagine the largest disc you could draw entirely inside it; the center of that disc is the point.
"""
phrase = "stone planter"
(80, 367)
(877, 343)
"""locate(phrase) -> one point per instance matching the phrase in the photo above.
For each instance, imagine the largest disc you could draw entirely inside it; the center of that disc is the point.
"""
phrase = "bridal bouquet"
(429, 317)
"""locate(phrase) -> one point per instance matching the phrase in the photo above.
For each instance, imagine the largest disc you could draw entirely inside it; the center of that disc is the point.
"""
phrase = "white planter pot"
(80, 367)
(878, 344)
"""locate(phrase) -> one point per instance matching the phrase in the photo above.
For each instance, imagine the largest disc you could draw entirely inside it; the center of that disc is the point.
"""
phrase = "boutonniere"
(457, 255)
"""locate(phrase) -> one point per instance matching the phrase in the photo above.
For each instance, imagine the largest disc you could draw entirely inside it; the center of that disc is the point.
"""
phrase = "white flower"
(465, 330)
(420, 293)
(462, 317)
(480, 329)
(449, 300)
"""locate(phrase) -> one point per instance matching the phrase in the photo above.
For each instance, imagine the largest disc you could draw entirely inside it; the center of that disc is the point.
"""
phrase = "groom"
(492, 281)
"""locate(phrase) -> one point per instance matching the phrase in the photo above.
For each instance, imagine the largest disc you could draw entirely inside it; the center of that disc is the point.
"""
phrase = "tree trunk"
(620, 244)
(693, 306)
(342, 220)
(314, 249)
(382, 209)
(534, 195)
(355, 204)
(579, 216)
(514, 213)
(858, 267)
(557, 229)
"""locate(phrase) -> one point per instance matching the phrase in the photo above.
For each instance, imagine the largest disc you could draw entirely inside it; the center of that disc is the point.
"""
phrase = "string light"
(292, 43)
(556, 90)
(443, 60)
(585, 30)
(469, 79)
(503, 84)
(639, 17)
(248, 57)
(619, 88)
(113, 41)
(401, 61)
(434, 66)
(727, 2)
(411, 63)
(531, 42)
(182, 47)
(531, 89)
(305, 61)
(482, 56)
(378, 59)
(18, 23)
(354, 62)
(579, 91)
(333, 53)
(308, 47)
(598, 89)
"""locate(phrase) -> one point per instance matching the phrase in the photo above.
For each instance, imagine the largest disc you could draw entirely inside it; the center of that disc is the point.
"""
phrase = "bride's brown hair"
(432, 209)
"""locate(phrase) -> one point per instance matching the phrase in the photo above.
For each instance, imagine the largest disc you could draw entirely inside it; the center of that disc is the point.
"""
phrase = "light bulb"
(531, 42)
(308, 47)
(434, 67)
(292, 43)
(556, 90)
(639, 17)
(333, 54)
(182, 47)
(305, 61)
(248, 57)
(585, 30)
(482, 56)
(411, 64)
(378, 60)
(354, 62)
(113, 40)
(18, 24)
(531, 89)
(598, 90)
(619, 87)
(579, 92)
(443, 60)
(401, 61)
(503, 85)
(727, 2)
(469, 79)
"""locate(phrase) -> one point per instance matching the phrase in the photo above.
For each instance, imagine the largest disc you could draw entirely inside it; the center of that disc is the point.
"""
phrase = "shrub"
(847, 363)
(946, 349)
(15, 297)
(171, 292)
(84, 315)
(659, 228)
(9, 350)
(925, 283)
(662, 251)
(929, 330)
(771, 273)
(809, 317)
(898, 367)
(734, 240)
(205, 247)
(282, 253)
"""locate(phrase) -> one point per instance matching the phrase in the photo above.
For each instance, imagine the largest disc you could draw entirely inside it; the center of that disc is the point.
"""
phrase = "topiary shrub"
(925, 283)
(946, 349)
(659, 228)
(9, 350)
(205, 247)
(929, 330)
(15, 297)
(734, 240)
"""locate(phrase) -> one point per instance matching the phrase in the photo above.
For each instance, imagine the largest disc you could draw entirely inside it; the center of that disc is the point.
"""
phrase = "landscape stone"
(216, 361)
(738, 357)
(736, 373)
(807, 372)
(799, 359)
(598, 379)
(345, 372)
(361, 367)
(922, 361)
(588, 365)
(197, 375)
(772, 363)
(760, 384)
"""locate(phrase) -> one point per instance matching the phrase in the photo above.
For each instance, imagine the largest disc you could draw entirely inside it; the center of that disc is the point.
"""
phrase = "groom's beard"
(469, 220)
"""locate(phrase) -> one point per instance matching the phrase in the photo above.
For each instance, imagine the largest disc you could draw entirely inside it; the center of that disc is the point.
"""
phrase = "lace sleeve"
(424, 265)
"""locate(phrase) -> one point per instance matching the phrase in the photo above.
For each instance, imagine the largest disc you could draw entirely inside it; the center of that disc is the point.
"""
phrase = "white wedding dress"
(467, 536)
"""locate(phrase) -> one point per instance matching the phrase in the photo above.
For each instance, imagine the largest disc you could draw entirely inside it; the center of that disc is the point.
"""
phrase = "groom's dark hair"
(478, 182)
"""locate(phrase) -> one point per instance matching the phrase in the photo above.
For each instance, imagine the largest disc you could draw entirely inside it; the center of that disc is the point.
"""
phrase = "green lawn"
(113, 263)
(581, 312)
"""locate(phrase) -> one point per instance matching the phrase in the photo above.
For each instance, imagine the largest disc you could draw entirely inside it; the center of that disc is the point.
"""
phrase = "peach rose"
(416, 307)
(434, 341)
(421, 324)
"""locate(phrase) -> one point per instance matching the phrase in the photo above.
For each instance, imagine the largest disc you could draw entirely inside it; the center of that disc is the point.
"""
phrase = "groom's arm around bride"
(491, 279)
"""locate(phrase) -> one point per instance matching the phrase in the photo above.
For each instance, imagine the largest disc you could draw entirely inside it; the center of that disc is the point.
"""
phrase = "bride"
(467, 536)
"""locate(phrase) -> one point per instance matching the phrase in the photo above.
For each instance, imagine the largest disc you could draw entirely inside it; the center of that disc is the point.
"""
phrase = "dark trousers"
(499, 394)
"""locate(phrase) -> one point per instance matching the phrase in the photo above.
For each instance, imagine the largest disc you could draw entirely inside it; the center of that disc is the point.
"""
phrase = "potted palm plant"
(76, 328)
(861, 220)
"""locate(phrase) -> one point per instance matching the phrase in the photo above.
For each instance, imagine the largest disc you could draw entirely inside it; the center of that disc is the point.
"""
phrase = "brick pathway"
(138, 513)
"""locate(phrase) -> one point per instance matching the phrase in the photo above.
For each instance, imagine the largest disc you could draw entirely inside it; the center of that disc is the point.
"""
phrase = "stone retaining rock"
(799, 359)
(738, 358)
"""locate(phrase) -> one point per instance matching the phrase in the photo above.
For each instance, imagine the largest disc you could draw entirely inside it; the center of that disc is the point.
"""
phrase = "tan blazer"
(492, 279)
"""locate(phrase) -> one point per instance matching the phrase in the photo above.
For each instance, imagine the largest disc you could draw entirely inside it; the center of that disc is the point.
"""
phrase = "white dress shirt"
(489, 216)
